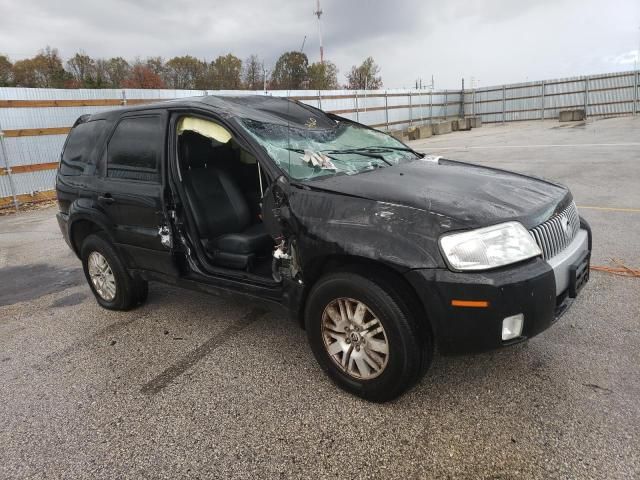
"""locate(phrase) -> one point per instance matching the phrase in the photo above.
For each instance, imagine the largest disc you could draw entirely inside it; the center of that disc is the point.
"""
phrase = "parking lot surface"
(196, 386)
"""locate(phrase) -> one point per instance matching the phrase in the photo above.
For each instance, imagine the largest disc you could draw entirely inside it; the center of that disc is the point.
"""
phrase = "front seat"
(220, 211)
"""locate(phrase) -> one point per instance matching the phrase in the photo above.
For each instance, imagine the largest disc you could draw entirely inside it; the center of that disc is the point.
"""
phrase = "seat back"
(216, 202)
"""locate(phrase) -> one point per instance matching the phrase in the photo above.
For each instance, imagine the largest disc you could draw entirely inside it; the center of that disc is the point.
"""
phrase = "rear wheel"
(108, 279)
(364, 336)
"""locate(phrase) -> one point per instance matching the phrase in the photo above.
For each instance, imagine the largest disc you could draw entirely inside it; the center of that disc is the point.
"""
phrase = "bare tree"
(252, 73)
(82, 69)
(101, 75)
(365, 76)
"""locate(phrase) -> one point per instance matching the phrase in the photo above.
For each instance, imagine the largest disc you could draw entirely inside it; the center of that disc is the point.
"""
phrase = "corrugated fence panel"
(5, 187)
(34, 150)
(35, 132)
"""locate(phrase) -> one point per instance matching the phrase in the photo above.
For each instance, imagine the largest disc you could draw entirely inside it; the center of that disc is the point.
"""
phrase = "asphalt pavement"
(197, 386)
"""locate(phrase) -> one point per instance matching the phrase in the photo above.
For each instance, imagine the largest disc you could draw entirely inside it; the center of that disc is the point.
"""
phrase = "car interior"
(223, 188)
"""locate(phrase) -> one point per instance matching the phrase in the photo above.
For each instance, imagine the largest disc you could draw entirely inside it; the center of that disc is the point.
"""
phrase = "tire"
(383, 377)
(125, 292)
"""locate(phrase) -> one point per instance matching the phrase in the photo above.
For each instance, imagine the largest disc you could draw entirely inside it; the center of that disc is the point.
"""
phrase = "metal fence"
(605, 95)
(34, 122)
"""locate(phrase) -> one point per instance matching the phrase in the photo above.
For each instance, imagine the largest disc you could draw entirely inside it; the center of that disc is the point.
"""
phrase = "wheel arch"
(387, 276)
(81, 226)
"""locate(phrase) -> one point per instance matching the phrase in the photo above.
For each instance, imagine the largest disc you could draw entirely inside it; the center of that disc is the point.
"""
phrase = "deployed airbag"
(206, 128)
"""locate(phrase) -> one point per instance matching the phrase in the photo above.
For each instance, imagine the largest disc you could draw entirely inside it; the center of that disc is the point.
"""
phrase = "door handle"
(106, 198)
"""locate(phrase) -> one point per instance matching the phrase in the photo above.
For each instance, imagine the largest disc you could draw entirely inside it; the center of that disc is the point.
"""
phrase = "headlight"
(489, 247)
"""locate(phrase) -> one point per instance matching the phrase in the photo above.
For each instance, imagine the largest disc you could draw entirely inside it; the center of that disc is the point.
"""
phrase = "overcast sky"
(493, 41)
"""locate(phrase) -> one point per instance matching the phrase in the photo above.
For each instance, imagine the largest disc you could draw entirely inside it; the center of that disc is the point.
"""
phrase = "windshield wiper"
(385, 147)
(359, 151)
(379, 148)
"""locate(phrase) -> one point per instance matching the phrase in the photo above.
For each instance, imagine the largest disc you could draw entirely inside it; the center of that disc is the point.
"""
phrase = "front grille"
(555, 234)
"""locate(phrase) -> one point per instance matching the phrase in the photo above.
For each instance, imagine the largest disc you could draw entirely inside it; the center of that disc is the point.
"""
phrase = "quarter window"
(79, 149)
(135, 149)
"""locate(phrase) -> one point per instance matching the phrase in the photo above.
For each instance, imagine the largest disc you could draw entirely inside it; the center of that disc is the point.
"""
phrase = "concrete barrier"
(579, 115)
(423, 131)
(400, 135)
(572, 115)
(464, 123)
(442, 128)
(426, 131)
(566, 116)
(476, 122)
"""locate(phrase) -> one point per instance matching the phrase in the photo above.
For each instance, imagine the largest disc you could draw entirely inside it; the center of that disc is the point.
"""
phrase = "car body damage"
(277, 200)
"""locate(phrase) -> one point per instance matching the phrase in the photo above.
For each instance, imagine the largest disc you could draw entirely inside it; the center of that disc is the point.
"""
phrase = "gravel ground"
(195, 386)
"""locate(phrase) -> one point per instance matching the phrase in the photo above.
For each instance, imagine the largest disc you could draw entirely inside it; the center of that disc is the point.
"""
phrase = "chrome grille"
(555, 234)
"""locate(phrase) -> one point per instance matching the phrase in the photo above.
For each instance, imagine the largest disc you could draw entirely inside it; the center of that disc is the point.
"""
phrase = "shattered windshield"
(308, 153)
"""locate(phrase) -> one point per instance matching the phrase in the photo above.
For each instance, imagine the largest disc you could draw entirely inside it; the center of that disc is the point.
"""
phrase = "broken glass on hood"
(310, 153)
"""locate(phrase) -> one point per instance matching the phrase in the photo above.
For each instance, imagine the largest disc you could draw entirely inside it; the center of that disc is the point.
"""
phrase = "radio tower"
(318, 13)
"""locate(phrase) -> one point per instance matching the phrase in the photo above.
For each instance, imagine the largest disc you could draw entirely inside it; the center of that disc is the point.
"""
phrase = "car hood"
(473, 195)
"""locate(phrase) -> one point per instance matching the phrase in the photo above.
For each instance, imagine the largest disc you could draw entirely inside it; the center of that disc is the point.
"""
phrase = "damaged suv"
(379, 252)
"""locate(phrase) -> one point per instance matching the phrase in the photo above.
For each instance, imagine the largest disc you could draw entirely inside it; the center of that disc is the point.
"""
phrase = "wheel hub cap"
(354, 338)
(102, 278)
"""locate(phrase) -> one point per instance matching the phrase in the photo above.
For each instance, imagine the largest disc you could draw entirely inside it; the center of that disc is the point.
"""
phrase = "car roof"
(260, 108)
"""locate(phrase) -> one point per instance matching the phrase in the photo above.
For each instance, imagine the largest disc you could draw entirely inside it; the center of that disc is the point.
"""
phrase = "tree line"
(292, 71)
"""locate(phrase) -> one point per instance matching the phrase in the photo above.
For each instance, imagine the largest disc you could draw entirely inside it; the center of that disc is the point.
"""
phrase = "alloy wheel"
(354, 338)
(102, 277)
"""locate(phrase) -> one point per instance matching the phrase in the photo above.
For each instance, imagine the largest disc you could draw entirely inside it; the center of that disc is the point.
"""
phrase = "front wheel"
(109, 280)
(364, 336)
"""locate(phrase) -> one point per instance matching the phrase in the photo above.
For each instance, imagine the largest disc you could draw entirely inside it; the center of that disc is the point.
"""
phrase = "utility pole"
(318, 13)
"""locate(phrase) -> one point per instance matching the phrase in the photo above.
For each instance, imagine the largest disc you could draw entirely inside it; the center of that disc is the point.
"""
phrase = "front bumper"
(542, 291)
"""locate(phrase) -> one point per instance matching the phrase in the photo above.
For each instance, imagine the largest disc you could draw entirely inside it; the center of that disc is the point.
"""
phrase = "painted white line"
(610, 209)
(559, 145)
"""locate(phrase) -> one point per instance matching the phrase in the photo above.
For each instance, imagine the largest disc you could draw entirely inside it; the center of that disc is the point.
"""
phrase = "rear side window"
(135, 149)
(80, 147)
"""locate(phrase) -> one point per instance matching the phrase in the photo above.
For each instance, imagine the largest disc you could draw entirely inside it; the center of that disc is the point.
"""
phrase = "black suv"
(378, 251)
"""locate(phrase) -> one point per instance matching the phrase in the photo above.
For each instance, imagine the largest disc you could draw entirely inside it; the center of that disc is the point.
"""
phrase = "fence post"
(386, 109)
(446, 104)
(473, 104)
(7, 166)
(542, 102)
(124, 98)
(319, 100)
(586, 96)
(357, 112)
(504, 103)
(635, 92)
(431, 107)
(410, 110)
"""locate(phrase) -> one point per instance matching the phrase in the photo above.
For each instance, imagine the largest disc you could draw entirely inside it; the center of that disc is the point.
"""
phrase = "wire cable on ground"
(621, 270)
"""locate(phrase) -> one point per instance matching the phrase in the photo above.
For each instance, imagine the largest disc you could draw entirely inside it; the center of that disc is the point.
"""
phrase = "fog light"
(512, 327)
